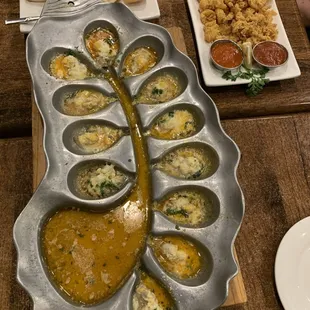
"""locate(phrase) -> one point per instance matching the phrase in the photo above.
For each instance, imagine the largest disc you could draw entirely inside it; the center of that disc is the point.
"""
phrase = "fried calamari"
(237, 20)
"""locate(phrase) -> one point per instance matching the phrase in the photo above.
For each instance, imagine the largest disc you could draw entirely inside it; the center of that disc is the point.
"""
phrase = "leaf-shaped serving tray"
(52, 35)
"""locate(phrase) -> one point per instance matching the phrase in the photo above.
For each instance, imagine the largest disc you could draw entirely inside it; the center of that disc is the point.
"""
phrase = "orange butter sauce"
(139, 61)
(90, 255)
(227, 55)
(162, 296)
(101, 34)
(60, 65)
(177, 255)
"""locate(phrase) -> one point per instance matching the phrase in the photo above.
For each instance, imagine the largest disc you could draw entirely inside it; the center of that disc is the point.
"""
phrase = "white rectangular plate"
(213, 77)
(146, 9)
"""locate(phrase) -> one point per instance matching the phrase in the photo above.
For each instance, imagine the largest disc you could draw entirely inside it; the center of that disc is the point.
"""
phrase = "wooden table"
(15, 89)
(273, 173)
(278, 98)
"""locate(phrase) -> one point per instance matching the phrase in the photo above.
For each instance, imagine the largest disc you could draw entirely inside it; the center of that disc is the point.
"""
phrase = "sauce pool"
(270, 54)
(227, 55)
(90, 255)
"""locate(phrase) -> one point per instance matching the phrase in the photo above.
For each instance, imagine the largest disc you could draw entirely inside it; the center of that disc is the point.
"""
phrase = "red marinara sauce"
(270, 53)
(227, 55)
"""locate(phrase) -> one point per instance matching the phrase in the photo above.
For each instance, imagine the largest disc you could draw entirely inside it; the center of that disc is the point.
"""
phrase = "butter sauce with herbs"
(90, 255)
(187, 207)
(176, 124)
(177, 255)
(160, 89)
(103, 45)
(68, 67)
(139, 61)
(97, 138)
(150, 295)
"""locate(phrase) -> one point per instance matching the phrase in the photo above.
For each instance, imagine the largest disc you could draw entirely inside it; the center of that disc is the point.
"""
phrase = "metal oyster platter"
(213, 236)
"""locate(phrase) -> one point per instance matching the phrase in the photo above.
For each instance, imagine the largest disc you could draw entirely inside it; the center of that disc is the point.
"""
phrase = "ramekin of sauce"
(270, 54)
(226, 54)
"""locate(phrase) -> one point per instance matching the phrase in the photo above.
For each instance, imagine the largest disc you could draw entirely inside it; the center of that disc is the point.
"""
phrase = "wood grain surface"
(274, 174)
(15, 192)
(15, 89)
(279, 97)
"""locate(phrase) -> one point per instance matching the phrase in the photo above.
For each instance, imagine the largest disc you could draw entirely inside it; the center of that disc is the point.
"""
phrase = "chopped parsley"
(171, 114)
(182, 212)
(188, 123)
(71, 53)
(197, 174)
(91, 281)
(107, 186)
(109, 41)
(157, 91)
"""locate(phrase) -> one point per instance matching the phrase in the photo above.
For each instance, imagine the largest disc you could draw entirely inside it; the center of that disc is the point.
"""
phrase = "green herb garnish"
(171, 211)
(257, 79)
(109, 186)
(91, 281)
(157, 91)
(71, 53)
(197, 174)
(109, 41)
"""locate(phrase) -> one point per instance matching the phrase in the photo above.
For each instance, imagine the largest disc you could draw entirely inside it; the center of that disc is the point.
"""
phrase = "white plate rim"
(213, 78)
(280, 257)
(149, 11)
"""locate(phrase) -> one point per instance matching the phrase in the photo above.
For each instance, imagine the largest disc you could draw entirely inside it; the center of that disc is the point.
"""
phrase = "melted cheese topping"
(85, 102)
(175, 124)
(96, 138)
(161, 89)
(186, 163)
(150, 295)
(90, 255)
(177, 255)
(139, 61)
(186, 207)
(103, 46)
(68, 67)
(100, 181)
